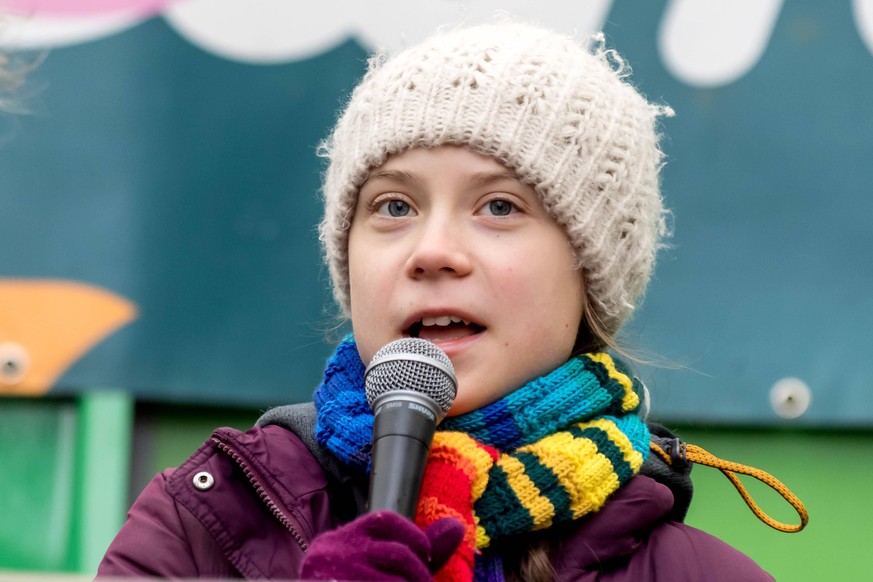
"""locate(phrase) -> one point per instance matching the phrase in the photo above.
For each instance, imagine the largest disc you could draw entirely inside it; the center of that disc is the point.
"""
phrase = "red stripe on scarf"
(447, 492)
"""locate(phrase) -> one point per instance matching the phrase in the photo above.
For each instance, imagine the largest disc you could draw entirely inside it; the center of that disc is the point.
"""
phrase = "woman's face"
(447, 245)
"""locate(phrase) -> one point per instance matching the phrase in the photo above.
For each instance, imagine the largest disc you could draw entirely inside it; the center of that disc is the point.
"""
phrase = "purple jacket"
(248, 504)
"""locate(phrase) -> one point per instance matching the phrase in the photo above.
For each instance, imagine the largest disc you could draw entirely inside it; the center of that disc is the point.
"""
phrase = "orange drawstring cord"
(700, 456)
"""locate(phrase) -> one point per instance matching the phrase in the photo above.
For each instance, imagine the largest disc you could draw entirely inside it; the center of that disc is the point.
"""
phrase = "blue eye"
(395, 208)
(500, 207)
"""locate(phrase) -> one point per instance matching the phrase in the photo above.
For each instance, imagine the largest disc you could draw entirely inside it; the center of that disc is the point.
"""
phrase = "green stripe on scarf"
(556, 435)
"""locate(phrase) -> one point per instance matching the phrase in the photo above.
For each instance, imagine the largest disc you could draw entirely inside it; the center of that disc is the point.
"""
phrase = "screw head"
(790, 398)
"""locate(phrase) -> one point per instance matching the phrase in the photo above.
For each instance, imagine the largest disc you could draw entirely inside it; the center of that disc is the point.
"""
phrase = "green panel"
(37, 440)
(103, 450)
(830, 472)
(63, 490)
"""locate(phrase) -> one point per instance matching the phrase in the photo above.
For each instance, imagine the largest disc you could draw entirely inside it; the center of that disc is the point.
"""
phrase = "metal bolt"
(790, 397)
(14, 363)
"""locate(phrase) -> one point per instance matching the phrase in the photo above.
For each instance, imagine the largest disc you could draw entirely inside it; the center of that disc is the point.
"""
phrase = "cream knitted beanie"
(561, 117)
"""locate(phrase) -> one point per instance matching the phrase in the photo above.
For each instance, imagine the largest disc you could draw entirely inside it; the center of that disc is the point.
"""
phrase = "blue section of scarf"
(574, 392)
(571, 393)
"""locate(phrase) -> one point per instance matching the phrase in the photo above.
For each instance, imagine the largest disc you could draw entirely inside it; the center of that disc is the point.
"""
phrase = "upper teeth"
(443, 320)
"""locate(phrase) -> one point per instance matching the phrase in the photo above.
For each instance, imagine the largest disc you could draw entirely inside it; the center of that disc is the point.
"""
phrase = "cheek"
(373, 265)
(363, 312)
(544, 279)
(366, 266)
(365, 336)
(550, 295)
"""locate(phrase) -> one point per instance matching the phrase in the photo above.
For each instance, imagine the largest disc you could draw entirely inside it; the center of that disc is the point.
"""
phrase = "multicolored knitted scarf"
(551, 451)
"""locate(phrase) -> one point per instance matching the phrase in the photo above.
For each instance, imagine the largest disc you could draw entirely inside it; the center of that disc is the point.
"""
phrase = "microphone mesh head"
(412, 364)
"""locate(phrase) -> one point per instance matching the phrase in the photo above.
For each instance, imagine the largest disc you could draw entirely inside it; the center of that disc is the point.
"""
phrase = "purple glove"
(382, 546)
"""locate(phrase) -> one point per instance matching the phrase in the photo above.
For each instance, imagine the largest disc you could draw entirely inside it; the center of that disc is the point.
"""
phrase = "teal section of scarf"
(579, 390)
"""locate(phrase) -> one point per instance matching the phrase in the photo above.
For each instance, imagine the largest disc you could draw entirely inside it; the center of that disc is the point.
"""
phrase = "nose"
(440, 249)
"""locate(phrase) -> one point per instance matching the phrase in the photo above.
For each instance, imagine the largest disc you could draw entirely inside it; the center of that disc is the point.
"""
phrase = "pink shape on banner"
(84, 7)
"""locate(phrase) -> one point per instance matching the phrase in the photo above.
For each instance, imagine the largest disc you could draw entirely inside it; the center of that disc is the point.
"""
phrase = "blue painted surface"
(189, 184)
(770, 180)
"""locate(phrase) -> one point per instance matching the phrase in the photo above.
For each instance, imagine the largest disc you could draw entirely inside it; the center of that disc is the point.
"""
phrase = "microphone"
(410, 385)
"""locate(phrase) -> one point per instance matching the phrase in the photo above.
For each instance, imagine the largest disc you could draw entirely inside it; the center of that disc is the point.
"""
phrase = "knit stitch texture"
(562, 118)
(553, 450)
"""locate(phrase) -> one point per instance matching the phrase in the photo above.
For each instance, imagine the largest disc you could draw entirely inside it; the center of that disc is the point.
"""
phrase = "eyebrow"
(395, 175)
(483, 178)
(477, 179)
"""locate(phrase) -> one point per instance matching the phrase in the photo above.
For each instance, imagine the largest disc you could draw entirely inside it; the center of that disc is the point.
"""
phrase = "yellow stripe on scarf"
(631, 456)
(585, 473)
(539, 507)
(562, 454)
(630, 400)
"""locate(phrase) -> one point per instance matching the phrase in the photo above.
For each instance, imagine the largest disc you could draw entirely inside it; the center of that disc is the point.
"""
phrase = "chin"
(459, 408)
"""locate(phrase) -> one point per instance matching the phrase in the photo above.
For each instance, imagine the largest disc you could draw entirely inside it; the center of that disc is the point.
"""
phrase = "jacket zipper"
(262, 493)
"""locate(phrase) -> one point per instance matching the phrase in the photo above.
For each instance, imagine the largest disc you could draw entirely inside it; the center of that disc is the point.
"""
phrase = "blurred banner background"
(160, 272)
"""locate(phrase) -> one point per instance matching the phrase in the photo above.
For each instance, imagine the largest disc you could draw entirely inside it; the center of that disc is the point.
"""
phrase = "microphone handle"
(402, 433)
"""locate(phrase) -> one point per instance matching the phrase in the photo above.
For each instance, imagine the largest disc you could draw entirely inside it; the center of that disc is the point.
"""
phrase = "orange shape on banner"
(47, 325)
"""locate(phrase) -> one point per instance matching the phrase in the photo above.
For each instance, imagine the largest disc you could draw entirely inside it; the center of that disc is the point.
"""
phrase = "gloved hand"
(382, 546)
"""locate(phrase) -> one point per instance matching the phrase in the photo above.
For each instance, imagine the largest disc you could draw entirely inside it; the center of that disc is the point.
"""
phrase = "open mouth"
(443, 328)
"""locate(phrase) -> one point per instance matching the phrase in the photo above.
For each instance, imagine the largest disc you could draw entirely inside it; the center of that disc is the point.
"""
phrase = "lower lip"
(456, 346)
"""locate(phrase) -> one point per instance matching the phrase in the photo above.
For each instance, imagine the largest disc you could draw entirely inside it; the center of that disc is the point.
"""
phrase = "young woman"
(494, 190)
